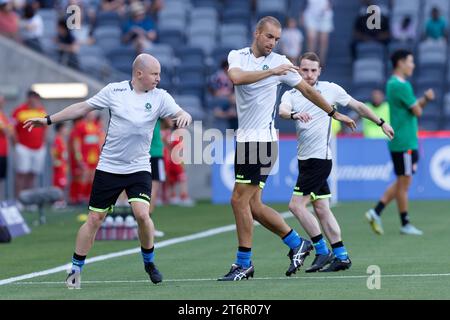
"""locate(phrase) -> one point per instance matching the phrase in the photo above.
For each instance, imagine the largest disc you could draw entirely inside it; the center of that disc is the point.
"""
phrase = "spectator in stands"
(5, 132)
(404, 29)
(221, 87)
(32, 27)
(318, 21)
(380, 107)
(291, 40)
(436, 26)
(139, 29)
(60, 160)
(30, 146)
(9, 20)
(67, 45)
(361, 32)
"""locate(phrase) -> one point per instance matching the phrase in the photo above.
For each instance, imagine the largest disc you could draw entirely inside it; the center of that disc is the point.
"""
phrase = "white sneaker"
(410, 229)
(188, 202)
(159, 233)
(375, 221)
(73, 280)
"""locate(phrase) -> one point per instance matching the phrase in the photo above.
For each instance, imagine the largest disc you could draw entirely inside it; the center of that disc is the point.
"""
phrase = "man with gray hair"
(134, 107)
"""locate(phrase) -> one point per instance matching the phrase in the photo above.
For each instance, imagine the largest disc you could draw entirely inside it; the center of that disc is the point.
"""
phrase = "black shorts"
(405, 162)
(158, 170)
(107, 187)
(312, 178)
(253, 161)
(3, 166)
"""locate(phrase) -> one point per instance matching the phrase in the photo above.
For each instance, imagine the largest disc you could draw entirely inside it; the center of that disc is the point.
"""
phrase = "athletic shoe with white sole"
(375, 221)
(73, 280)
(411, 230)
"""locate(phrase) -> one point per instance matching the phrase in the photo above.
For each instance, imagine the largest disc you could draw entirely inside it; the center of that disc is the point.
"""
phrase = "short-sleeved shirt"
(436, 28)
(256, 102)
(130, 130)
(35, 138)
(157, 146)
(313, 137)
(401, 98)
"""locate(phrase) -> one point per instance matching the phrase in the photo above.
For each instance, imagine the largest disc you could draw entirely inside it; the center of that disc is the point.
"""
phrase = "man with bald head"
(134, 107)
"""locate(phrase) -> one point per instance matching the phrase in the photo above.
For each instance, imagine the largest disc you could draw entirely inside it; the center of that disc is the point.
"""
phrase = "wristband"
(292, 114)
(49, 121)
(332, 111)
(381, 122)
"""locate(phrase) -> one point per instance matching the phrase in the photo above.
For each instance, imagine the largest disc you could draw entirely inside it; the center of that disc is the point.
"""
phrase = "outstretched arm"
(241, 77)
(74, 111)
(315, 97)
(365, 112)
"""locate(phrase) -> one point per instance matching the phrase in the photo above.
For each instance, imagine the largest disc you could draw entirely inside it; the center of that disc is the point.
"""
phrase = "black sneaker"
(337, 265)
(238, 273)
(155, 275)
(298, 255)
(320, 261)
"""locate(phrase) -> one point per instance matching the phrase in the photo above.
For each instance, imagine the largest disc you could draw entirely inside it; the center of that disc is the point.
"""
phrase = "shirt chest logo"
(265, 67)
(148, 106)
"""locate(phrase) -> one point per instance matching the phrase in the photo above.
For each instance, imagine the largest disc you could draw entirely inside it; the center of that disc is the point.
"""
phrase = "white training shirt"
(256, 102)
(313, 137)
(130, 130)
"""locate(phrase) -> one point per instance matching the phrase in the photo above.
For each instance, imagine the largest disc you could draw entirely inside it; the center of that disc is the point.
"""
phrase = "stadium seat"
(205, 41)
(216, 4)
(233, 15)
(270, 5)
(191, 104)
(173, 38)
(203, 13)
(164, 54)
(368, 70)
(191, 57)
(107, 32)
(429, 123)
(370, 49)
(107, 18)
(122, 58)
(234, 40)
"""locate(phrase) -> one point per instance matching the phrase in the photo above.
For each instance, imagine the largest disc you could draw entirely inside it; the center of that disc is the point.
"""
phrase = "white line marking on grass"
(262, 278)
(162, 244)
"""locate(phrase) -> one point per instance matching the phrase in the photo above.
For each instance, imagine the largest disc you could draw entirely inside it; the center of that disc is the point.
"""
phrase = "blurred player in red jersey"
(5, 132)
(91, 137)
(76, 163)
(29, 145)
(176, 175)
(60, 160)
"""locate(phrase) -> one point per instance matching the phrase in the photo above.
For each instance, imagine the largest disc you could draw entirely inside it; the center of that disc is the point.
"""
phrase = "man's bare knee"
(141, 216)
(95, 220)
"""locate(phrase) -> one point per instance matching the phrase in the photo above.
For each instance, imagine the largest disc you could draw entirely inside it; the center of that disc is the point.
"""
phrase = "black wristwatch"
(381, 122)
(332, 111)
(49, 121)
(292, 114)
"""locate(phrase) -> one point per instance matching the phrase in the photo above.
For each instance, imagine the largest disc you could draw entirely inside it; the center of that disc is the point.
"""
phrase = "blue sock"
(320, 245)
(148, 254)
(243, 257)
(339, 250)
(292, 239)
(78, 262)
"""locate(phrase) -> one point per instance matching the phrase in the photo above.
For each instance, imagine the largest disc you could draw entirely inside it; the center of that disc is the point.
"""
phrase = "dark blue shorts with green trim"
(107, 187)
(254, 161)
(312, 178)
